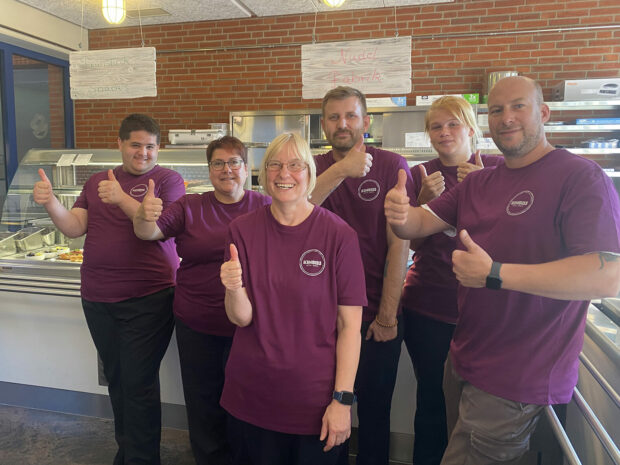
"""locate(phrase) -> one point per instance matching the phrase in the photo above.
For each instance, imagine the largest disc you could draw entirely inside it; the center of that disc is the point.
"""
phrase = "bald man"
(538, 237)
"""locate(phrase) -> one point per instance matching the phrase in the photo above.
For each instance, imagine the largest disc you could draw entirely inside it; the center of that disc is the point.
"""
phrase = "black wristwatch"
(345, 397)
(493, 280)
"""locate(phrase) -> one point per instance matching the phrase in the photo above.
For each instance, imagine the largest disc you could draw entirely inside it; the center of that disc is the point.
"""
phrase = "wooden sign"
(117, 73)
(375, 66)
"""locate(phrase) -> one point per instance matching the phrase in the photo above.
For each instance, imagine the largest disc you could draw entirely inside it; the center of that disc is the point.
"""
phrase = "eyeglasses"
(294, 166)
(233, 164)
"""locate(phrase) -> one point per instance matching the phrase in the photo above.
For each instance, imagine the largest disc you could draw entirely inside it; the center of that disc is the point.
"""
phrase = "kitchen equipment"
(29, 239)
(194, 136)
(587, 89)
(7, 243)
(491, 79)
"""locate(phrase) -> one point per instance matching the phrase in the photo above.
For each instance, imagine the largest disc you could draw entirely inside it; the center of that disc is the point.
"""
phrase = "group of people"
(290, 307)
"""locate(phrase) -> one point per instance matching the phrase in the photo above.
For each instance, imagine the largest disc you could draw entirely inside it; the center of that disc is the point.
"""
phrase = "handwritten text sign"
(118, 73)
(376, 66)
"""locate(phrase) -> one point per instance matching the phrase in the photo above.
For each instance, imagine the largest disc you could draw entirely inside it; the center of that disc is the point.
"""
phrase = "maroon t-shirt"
(430, 285)
(199, 224)
(117, 265)
(281, 370)
(515, 345)
(359, 201)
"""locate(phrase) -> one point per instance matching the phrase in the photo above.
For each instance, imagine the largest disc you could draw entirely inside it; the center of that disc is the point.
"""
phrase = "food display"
(72, 256)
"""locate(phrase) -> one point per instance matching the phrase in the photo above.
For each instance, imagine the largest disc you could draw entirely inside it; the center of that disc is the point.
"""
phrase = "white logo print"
(368, 190)
(312, 262)
(520, 203)
(139, 190)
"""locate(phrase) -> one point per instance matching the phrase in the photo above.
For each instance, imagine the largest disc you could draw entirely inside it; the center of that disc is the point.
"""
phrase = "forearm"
(146, 230)
(68, 222)
(582, 277)
(326, 183)
(394, 275)
(348, 354)
(129, 205)
(238, 306)
(420, 223)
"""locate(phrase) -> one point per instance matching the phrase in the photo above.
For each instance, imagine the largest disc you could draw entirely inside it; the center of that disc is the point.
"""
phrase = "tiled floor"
(36, 437)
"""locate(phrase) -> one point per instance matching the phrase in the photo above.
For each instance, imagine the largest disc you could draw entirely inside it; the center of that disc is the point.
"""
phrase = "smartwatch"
(493, 280)
(345, 397)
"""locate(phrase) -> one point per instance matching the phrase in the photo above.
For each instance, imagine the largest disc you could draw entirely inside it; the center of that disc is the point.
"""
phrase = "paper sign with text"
(117, 73)
(374, 66)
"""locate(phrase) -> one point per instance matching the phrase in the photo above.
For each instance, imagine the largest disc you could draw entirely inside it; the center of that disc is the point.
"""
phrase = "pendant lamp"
(334, 3)
(113, 11)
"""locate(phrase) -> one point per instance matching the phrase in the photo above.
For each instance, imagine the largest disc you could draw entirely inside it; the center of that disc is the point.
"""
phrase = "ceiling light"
(334, 3)
(113, 11)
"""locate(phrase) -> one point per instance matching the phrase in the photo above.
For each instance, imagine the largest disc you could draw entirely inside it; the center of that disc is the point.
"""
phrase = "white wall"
(36, 30)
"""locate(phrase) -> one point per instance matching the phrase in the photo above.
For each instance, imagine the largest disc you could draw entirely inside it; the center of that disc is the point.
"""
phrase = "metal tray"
(7, 243)
(29, 239)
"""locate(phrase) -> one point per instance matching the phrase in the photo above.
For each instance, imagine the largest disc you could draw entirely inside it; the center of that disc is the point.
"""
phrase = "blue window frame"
(9, 129)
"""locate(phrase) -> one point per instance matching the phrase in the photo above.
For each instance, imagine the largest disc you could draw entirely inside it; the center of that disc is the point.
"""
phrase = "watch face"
(344, 397)
(493, 283)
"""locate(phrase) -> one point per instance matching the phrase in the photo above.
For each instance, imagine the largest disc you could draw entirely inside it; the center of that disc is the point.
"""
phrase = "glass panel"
(39, 105)
(3, 170)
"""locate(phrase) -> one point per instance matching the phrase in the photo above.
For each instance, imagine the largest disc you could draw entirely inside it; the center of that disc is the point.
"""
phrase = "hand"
(356, 164)
(465, 168)
(230, 272)
(42, 192)
(380, 333)
(110, 191)
(336, 424)
(471, 266)
(432, 186)
(151, 207)
(397, 202)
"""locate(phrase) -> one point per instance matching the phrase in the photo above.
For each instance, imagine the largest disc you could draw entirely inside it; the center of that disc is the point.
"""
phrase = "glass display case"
(35, 257)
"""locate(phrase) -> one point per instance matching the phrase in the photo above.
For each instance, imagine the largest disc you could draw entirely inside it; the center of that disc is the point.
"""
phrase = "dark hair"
(227, 143)
(341, 93)
(138, 122)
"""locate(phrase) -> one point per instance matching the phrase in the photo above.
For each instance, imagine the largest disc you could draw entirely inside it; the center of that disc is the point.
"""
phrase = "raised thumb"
(402, 181)
(422, 170)
(151, 190)
(467, 241)
(234, 255)
(43, 176)
(111, 176)
(478, 159)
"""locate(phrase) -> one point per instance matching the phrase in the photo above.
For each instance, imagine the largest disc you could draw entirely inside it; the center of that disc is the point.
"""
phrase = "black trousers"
(428, 342)
(257, 446)
(131, 338)
(203, 359)
(374, 386)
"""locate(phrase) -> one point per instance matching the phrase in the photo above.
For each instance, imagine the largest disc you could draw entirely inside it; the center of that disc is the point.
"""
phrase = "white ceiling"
(199, 10)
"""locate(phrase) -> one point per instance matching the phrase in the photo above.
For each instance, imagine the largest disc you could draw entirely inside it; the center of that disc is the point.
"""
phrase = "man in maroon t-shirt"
(539, 236)
(127, 284)
(352, 181)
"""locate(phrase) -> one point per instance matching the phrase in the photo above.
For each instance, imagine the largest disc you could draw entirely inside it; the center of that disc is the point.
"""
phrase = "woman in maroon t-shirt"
(295, 287)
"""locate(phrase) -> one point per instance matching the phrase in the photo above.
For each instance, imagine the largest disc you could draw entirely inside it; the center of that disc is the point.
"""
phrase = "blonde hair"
(458, 107)
(301, 148)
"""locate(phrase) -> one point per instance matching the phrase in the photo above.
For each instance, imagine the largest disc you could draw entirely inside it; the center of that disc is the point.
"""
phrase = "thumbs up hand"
(397, 202)
(356, 163)
(42, 192)
(151, 207)
(230, 272)
(110, 191)
(471, 266)
(465, 168)
(432, 186)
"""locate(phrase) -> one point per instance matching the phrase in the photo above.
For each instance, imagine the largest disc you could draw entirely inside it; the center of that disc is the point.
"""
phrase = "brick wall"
(196, 88)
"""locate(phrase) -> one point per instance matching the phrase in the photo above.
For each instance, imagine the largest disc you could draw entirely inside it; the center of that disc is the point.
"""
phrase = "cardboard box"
(587, 89)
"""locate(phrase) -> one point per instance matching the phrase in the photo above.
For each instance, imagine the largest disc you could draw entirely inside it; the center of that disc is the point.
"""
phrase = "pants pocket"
(499, 450)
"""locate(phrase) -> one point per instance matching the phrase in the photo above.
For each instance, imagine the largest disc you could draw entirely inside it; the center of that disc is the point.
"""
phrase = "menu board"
(113, 74)
(375, 66)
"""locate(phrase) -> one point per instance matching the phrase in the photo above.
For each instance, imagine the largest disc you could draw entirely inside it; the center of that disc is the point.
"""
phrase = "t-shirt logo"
(139, 190)
(520, 203)
(368, 190)
(312, 262)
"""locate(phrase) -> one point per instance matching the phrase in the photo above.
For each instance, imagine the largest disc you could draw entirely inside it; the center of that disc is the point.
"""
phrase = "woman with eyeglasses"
(199, 223)
(295, 288)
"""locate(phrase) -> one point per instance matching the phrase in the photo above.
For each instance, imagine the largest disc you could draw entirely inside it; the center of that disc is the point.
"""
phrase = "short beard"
(526, 146)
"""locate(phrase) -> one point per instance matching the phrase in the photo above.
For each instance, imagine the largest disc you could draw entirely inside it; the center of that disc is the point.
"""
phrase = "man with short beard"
(539, 236)
(352, 180)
